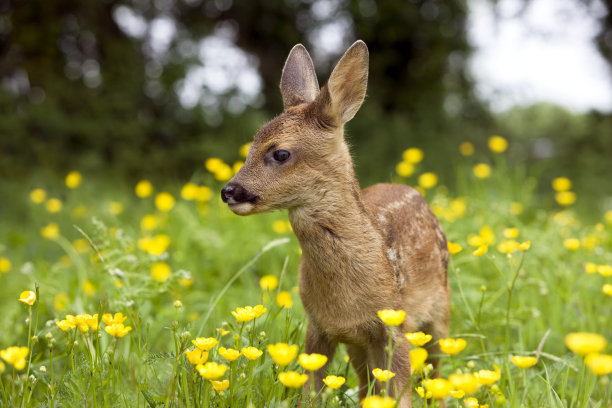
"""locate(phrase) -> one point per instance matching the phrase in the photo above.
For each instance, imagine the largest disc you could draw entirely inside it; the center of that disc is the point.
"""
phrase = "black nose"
(237, 194)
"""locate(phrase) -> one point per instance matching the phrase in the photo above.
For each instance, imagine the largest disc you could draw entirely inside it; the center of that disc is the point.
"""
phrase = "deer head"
(300, 156)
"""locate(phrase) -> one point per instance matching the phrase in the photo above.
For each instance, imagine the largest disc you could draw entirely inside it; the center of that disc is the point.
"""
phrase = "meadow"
(121, 295)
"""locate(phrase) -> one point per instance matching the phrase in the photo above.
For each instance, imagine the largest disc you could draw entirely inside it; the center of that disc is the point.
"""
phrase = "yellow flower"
(334, 382)
(279, 226)
(53, 205)
(466, 149)
(418, 338)
(244, 314)
(222, 331)
(382, 375)
(211, 370)
(418, 356)
(50, 231)
(524, 361)
(604, 270)
(482, 170)
(284, 299)
(160, 271)
(608, 217)
(607, 289)
(428, 180)
(268, 282)
(244, 149)
(5, 265)
(282, 353)
(143, 188)
(259, 310)
(89, 288)
(292, 379)
(60, 301)
(453, 248)
(467, 382)
(73, 179)
(523, 246)
(565, 198)
(66, 325)
(312, 361)
(156, 245)
(481, 250)
(164, 201)
(189, 191)
(252, 353)
(585, 343)
(148, 222)
(404, 169)
(487, 377)
(561, 184)
(516, 208)
(413, 155)
(452, 346)
(471, 403)
(38, 195)
(220, 385)
(511, 233)
(571, 243)
(590, 268)
(457, 394)
(439, 387)
(376, 401)
(16, 356)
(115, 207)
(392, 317)
(229, 354)
(109, 319)
(204, 194)
(205, 343)
(422, 393)
(117, 330)
(599, 364)
(497, 144)
(28, 297)
(508, 247)
(196, 356)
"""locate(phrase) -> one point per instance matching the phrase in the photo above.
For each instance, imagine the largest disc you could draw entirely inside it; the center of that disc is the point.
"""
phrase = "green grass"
(524, 303)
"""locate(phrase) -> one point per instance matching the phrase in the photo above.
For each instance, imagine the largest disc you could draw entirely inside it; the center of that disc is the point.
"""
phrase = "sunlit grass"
(148, 295)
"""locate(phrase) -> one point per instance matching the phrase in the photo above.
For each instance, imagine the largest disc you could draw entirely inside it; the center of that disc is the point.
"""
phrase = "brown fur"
(362, 251)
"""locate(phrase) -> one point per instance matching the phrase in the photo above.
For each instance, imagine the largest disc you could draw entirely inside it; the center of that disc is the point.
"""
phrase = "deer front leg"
(318, 342)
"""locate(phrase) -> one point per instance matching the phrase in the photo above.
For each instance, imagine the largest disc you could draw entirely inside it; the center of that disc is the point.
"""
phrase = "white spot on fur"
(391, 255)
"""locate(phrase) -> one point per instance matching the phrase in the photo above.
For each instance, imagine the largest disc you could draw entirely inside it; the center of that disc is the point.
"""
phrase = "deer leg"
(318, 342)
(359, 361)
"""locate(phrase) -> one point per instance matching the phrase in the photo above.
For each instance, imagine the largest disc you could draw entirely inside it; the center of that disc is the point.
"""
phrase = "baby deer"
(362, 250)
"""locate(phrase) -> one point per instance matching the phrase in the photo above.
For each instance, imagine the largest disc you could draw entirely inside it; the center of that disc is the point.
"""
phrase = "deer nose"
(235, 193)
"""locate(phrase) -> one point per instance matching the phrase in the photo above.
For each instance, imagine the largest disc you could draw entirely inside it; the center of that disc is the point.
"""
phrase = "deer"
(362, 250)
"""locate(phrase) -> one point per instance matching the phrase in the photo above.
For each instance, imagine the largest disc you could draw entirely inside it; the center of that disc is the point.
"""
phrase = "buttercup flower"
(607, 289)
(439, 387)
(205, 343)
(292, 379)
(268, 282)
(312, 361)
(404, 169)
(284, 299)
(418, 356)
(571, 243)
(561, 184)
(164, 201)
(457, 394)
(5, 265)
(565, 198)
(211, 370)
(53, 205)
(453, 248)
(428, 180)
(229, 354)
(259, 310)
(467, 382)
(66, 325)
(109, 319)
(452, 346)
(481, 250)
(244, 314)
(16, 356)
(599, 364)
(282, 353)
(28, 297)
(196, 356)
(252, 353)
(376, 401)
(498, 144)
(73, 179)
(382, 375)
(482, 170)
(189, 191)
(422, 393)
(220, 385)
(466, 149)
(413, 155)
(50, 231)
(334, 382)
(160, 271)
(117, 330)
(487, 377)
(392, 317)
(524, 361)
(418, 338)
(143, 189)
(38, 196)
(585, 343)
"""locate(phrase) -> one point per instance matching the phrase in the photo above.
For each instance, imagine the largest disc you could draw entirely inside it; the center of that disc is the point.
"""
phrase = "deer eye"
(281, 155)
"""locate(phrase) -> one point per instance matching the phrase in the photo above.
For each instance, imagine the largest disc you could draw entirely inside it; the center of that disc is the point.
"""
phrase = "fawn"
(362, 250)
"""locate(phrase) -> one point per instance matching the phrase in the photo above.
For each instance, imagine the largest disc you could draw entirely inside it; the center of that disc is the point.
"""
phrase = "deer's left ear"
(347, 84)
(299, 81)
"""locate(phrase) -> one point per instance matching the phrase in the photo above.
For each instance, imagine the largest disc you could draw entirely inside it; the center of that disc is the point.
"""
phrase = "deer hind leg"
(359, 361)
(438, 329)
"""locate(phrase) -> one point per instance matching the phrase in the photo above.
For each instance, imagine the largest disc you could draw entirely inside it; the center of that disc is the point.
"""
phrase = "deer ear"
(298, 82)
(347, 84)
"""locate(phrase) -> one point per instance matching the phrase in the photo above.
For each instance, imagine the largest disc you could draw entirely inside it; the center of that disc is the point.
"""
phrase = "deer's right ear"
(299, 81)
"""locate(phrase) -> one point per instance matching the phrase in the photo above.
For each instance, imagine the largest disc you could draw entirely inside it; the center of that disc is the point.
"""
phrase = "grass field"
(529, 277)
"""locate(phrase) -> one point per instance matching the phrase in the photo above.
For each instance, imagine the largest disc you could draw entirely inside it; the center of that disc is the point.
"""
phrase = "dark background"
(80, 91)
